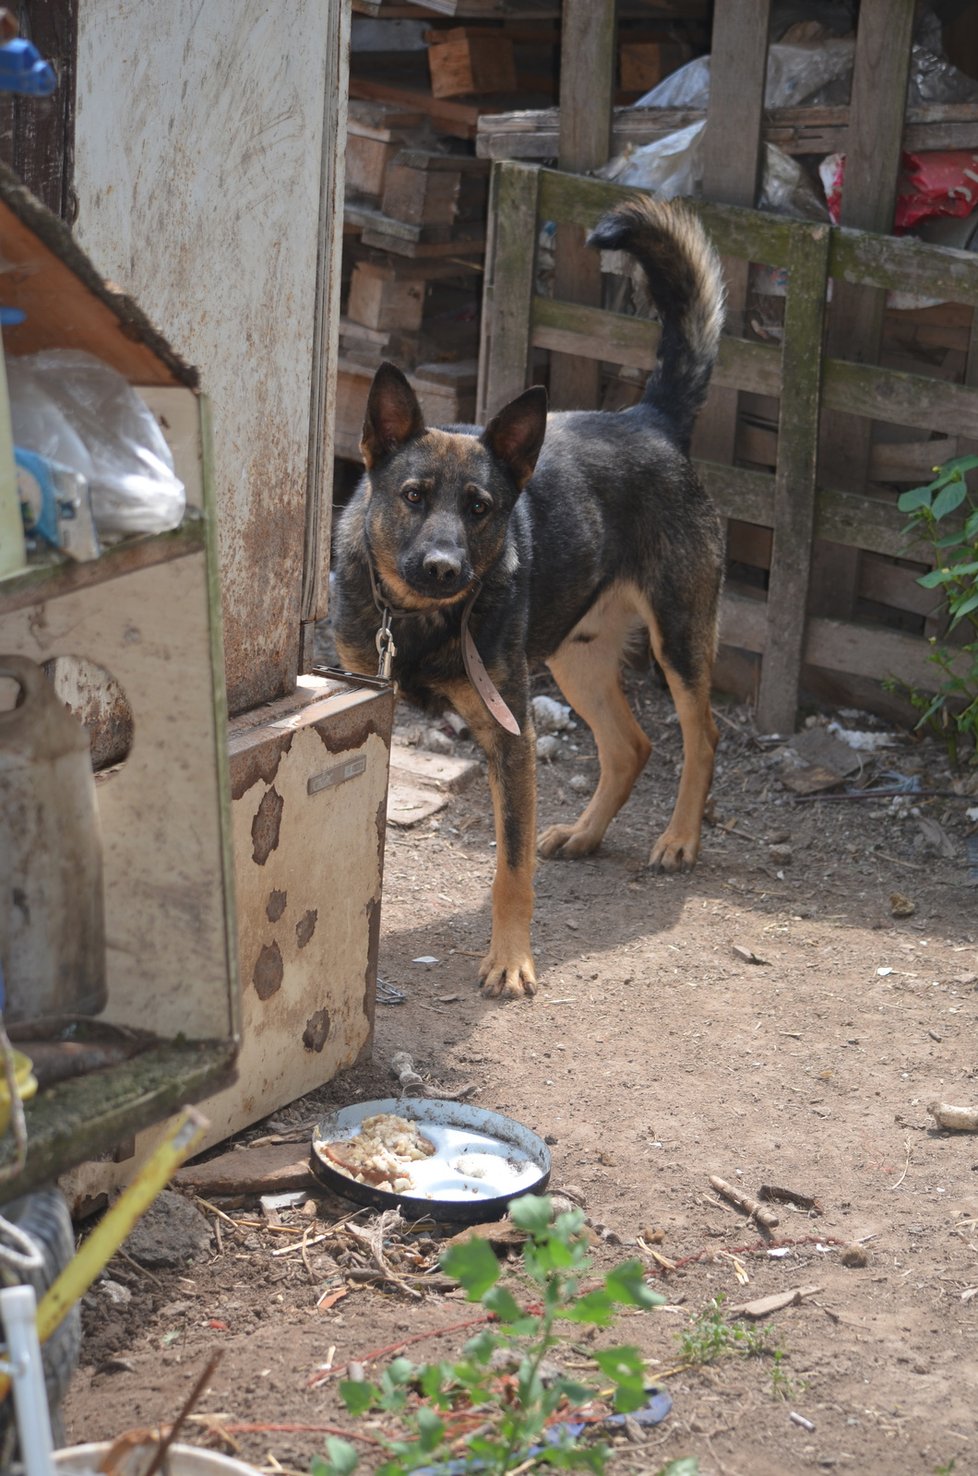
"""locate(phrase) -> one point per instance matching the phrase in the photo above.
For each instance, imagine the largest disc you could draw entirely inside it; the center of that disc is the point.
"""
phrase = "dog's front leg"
(507, 968)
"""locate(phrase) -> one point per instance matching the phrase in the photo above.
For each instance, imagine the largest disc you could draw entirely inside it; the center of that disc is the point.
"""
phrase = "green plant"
(711, 1337)
(783, 1386)
(467, 1415)
(944, 515)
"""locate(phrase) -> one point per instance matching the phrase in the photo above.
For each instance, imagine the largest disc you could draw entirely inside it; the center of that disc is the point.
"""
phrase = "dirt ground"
(781, 1016)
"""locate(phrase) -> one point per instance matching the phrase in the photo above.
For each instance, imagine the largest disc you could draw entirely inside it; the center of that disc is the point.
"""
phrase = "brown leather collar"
(475, 668)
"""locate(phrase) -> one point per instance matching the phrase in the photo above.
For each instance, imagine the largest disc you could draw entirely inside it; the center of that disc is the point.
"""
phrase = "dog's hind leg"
(678, 845)
(587, 669)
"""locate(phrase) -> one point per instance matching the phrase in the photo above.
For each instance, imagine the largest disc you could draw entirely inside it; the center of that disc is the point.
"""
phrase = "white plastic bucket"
(181, 1460)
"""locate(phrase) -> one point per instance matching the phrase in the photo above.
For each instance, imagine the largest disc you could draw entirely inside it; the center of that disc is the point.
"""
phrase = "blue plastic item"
(652, 1413)
(24, 70)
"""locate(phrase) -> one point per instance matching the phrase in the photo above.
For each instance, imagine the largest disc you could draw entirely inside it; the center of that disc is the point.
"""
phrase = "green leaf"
(949, 499)
(401, 1371)
(569, 1222)
(965, 608)
(481, 1348)
(573, 1457)
(549, 1254)
(531, 1212)
(474, 1266)
(932, 579)
(627, 1285)
(341, 1456)
(574, 1392)
(358, 1396)
(595, 1308)
(682, 1466)
(619, 1362)
(916, 498)
(497, 1299)
(431, 1429)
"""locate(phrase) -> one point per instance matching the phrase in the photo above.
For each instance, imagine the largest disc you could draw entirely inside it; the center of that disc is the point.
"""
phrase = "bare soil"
(781, 1016)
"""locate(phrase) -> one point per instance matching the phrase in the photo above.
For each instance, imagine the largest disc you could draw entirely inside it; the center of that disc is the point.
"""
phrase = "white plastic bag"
(673, 165)
(69, 406)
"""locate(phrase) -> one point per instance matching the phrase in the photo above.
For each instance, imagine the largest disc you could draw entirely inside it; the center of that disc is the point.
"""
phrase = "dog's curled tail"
(685, 282)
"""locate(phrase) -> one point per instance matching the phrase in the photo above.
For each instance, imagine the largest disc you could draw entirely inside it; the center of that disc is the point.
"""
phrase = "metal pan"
(482, 1160)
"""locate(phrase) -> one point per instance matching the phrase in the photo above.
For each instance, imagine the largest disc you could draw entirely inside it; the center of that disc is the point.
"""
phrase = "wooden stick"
(752, 1208)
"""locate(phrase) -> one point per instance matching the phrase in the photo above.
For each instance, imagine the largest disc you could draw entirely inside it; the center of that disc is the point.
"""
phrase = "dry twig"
(752, 1208)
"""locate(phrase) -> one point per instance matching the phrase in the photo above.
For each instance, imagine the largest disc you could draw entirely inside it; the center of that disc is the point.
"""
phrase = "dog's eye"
(411, 492)
(479, 505)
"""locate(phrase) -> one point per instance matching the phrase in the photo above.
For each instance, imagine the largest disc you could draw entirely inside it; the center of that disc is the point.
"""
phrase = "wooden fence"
(519, 322)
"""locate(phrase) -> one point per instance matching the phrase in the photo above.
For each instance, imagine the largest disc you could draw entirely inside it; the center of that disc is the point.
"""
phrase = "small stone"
(115, 1292)
(435, 741)
(781, 853)
(115, 1366)
(172, 1232)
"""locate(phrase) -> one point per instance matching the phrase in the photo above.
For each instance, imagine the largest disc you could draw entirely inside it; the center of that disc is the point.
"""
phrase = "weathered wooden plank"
(535, 134)
(593, 332)
(900, 398)
(905, 264)
(872, 163)
(505, 358)
(901, 263)
(867, 651)
(587, 70)
(736, 231)
(732, 138)
(794, 495)
(892, 395)
(322, 411)
(75, 1121)
(849, 518)
(37, 134)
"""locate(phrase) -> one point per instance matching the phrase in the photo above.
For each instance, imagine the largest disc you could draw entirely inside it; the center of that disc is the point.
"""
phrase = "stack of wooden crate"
(417, 195)
(415, 214)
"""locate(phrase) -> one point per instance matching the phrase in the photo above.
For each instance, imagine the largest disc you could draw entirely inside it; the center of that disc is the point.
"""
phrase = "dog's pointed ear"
(516, 434)
(393, 415)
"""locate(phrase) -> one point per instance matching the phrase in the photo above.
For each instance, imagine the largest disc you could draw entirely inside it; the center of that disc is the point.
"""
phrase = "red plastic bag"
(936, 183)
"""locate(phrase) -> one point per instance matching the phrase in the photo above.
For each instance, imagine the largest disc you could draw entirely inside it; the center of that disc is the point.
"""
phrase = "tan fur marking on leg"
(678, 846)
(589, 675)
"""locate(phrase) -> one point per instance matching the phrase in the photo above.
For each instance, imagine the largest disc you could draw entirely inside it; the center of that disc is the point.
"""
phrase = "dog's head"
(439, 501)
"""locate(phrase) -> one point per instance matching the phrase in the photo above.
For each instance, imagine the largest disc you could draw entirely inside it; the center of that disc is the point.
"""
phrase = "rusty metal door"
(208, 171)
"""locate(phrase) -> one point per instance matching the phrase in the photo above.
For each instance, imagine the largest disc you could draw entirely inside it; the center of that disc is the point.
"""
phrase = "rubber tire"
(44, 1217)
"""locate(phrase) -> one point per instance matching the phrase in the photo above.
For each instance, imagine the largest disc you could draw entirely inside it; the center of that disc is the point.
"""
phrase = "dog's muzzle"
(440, 573)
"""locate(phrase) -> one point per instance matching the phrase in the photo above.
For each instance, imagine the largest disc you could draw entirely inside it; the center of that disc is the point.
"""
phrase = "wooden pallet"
(775, 623)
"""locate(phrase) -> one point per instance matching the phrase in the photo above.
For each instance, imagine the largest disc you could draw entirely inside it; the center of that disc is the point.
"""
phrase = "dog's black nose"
(442, 567)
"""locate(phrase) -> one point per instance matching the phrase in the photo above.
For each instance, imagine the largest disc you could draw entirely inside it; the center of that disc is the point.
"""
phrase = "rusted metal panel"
(200, 136)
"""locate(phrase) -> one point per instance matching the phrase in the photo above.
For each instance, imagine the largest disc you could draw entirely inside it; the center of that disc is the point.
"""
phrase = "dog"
(468, 556)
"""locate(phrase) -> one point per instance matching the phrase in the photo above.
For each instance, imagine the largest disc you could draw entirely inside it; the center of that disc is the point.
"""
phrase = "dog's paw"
(567, 840)
(513, 978)
(674, 853)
